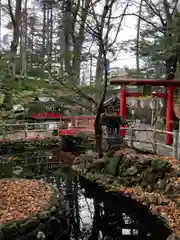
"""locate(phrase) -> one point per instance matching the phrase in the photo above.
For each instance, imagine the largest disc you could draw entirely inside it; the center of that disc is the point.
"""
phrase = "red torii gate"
(170, 84)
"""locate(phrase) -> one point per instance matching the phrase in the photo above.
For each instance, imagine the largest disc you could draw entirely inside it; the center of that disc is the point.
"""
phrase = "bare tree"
(23, 40)
(102, 32)
(10, 80)
(138, 36)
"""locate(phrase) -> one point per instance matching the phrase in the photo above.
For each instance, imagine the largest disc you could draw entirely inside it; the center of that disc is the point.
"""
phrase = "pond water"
(94, 213)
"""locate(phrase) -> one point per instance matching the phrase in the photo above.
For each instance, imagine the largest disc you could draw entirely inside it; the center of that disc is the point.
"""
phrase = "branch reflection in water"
(97, 215)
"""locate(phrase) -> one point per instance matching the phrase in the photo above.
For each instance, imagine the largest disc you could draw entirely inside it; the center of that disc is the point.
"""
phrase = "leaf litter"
(20, 199)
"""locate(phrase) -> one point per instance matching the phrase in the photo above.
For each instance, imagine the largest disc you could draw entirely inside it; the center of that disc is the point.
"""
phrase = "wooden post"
(104, 138)
(122, 109)
(178, 157)
(4, 131)
(154, 143)
(25, 131)
(175, 144)
(131, 136)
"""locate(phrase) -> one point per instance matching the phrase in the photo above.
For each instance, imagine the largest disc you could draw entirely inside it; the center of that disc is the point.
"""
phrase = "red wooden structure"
(47, 115)
(123, 95)
(170, 84)
(75, 124)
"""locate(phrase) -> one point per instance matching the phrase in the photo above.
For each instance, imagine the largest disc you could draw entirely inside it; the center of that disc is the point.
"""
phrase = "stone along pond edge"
(124, 191)
(10, 146)
(156, 202)
(50, 221)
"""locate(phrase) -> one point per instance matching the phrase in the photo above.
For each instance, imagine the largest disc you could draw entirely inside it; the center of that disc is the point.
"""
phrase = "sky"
(127, 32)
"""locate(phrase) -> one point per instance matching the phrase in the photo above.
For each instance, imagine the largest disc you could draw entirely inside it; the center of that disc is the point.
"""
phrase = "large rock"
(86, 160)
(130, 157)
(125, 151)
(112, 166)
(160, 165)
(10, 230)
(43, 216)
(130, 171)
(173, 237)
(41, 236)
(175, 173)
(161, 184)
(1, 233)
(169, 188)
(53, 227)
(29, 225)
(149, 177)
(99, 163)
(53, 210)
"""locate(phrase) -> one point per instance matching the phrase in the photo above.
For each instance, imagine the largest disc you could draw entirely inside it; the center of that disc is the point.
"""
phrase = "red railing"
(76, 124)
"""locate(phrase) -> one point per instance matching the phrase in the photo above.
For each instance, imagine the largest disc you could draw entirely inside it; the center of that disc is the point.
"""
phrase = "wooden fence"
(27, 130)
(153, 139)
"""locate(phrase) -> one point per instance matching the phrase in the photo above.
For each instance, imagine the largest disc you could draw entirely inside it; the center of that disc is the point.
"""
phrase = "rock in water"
(41, 236)
(1, 233)
(173, 237)
(44, 215)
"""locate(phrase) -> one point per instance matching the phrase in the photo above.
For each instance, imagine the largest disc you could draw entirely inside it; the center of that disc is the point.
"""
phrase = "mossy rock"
(112, 166)
(43, 216)
(82, 136)
(10, 230)
(53, 228)
(149, 177)
(175, 173)
(29, 236)
(110, 153)
(130, 171)
(159, 165)
(29, 225)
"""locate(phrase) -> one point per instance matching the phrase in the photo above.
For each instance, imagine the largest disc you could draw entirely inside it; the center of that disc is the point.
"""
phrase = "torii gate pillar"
(169, 115)
(169, 112)
(122, 109)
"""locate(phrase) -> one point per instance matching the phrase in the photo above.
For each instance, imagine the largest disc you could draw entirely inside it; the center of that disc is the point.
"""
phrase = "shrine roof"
(150, 82)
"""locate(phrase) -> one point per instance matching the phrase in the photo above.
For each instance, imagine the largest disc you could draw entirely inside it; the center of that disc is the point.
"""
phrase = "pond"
(94, 213)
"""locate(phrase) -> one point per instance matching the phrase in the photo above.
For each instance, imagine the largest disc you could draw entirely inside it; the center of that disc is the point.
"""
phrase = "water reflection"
(94, 213)
(98, 215)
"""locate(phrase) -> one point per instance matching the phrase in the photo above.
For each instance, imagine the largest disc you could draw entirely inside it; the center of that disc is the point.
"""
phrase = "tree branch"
(73, 88)
(145, 20)
(153, 8)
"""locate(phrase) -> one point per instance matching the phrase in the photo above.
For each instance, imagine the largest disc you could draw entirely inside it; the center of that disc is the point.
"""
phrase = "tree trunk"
(99, 75)
(138, 36)
(100, 110)
(44, 34)
(24, 40)
(15, 19)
